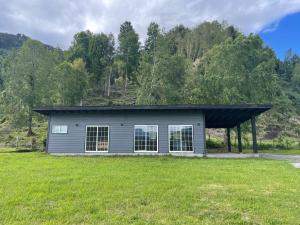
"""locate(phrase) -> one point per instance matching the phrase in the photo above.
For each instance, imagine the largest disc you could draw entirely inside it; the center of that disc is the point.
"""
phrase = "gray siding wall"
(121, 138)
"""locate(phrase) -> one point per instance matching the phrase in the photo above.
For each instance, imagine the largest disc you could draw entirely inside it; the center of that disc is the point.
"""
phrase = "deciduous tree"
(27, 80)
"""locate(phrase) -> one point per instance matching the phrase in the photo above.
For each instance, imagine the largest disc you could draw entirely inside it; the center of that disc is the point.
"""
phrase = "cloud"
(272, 27)
(55, 22)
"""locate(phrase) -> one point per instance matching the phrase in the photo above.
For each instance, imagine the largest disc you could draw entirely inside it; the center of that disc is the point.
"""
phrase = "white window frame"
(86, 127)
(169, 138)
(60, 132)
(144, 151)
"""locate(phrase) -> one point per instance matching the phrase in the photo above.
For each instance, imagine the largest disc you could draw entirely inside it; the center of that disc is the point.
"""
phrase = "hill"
(9, 42)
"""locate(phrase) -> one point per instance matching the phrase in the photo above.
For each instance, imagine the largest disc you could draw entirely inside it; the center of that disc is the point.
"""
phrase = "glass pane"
(140, 135)
(91, 138)
(175, 140)
(187, 138)
(151, 144)
(64, 129)
(145, 138)
(55, 129)
(59, 129)
(102, 138)
(181, 137)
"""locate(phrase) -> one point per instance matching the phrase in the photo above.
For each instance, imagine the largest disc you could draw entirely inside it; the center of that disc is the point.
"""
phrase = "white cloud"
(55, 22)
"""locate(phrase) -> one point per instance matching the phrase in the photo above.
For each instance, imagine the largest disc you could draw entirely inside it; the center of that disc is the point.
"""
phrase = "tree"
(153, 33)
(128, 51)
(236, 71)
(101, 52)
(287, 67)
(176, 40)
(161, 84)
(80, 47)
(27, 80)
(1, 72)
(296, 75)
(69, 81)
(193, 43)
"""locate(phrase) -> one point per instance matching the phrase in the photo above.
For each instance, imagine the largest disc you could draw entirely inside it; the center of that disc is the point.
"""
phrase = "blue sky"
(284, 34)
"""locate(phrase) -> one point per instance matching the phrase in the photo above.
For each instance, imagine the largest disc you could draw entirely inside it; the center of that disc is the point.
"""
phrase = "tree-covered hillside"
(9, 42)
(212, 63)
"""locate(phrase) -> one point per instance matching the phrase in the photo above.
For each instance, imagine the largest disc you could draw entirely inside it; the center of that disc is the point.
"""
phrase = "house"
(153, 129)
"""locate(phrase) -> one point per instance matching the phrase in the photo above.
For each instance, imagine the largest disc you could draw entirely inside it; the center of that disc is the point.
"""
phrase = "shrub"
(214, 144)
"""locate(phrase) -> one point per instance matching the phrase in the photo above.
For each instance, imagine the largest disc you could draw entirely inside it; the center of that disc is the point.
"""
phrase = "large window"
(145, 138)
(59, 129)
(180, 138)
(97, 138)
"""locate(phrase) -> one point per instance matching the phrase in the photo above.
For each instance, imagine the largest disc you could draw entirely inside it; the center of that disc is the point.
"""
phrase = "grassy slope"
(41, 189)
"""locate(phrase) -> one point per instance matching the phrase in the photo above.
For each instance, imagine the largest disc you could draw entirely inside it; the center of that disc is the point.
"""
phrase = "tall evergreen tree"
(128, 50)
(153, 34)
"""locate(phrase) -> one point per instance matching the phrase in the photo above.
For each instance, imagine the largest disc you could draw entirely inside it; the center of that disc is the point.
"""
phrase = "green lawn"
(41, 189)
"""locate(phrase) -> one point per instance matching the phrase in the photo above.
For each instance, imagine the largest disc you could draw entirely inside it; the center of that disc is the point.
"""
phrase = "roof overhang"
(216, 116)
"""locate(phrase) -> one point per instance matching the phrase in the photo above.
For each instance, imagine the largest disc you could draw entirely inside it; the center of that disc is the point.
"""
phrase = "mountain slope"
(11, 41)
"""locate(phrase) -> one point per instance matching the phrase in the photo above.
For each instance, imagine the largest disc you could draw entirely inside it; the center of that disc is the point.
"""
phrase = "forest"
(212, 63)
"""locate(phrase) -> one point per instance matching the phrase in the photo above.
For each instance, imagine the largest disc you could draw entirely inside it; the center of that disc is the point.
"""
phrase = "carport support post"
(228, 139)
(239, 136)
(254, 142)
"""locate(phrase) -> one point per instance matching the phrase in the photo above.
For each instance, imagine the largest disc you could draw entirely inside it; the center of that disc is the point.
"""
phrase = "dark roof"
(216, 116)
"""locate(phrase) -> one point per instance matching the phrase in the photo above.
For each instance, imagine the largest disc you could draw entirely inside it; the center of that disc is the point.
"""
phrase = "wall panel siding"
(121, 128)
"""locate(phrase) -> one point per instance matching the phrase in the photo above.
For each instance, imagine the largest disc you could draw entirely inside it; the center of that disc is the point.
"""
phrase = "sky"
(284, 34)
(55, 22)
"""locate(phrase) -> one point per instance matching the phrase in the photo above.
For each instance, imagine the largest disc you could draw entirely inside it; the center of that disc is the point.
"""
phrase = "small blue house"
(154, 129)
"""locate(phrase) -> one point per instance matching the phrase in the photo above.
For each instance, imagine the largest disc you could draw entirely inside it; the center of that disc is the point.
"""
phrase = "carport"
(231, 116)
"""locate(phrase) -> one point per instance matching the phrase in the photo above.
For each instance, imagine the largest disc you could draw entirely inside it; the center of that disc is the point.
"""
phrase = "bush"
(265, 146)
(214, 144)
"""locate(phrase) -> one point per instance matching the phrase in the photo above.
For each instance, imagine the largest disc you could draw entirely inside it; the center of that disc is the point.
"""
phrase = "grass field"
(41, 189)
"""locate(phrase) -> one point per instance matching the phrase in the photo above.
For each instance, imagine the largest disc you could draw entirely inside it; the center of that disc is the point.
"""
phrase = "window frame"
(169, 139)
(108, 138)
(144, 151)
(60, 125)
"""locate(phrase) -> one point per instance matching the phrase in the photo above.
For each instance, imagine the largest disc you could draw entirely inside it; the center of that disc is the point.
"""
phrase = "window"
(97, 139)
(59, 129)
(180, 138)
(145, 138)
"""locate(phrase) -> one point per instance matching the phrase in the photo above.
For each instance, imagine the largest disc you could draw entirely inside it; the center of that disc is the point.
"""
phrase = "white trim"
(169, 140)
(144, 151)
(108, 138)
